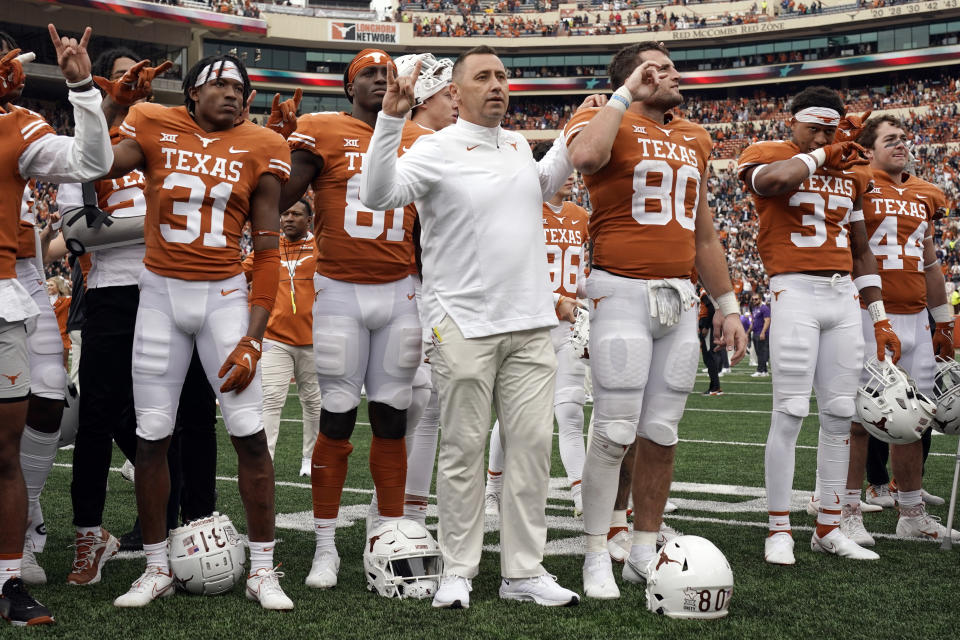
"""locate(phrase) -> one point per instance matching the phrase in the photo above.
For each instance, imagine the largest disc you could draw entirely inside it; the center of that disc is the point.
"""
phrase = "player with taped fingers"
(809, 194)
(899, 214)
(366, 331)
(208, 171)
(651, 226)
(31, 149)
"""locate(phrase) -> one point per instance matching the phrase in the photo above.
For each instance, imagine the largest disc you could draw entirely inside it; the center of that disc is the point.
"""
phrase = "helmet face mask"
(889, 405)
(402, 560)
(207, 556)
(434, 76)
(690, 578)
(947, 390)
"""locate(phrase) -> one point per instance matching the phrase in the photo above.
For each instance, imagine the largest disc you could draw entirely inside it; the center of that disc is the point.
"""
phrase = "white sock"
(157, 556)
(10, 568)
(644, 547)
(261, 555)
(415, 505)
(325, 530)
(619, 519)
(94, 531)
(910, 498)
(596, 544)
(852, 498)
(38, 450)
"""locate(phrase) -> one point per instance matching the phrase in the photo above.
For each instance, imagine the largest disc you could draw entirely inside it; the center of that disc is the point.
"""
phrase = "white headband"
(222, 69)
(818, 115)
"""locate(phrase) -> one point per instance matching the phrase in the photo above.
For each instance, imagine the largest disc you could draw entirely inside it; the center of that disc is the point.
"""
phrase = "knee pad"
(681, 370)
(658, 433)
(840, 407)
(47, 375)
(605, 450)
(795, 406)
(621, 432)
(338, 426)
(244, 422)
(153, 425)
(386, 422)
(569, 418)
(620, 362)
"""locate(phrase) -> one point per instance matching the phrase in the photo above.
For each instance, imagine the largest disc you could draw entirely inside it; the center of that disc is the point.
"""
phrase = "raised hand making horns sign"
(399, 99)
(72, 57)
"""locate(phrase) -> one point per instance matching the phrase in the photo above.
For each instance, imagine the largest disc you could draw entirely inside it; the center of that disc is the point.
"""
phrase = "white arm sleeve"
(69, 195)
(388, 182)
(85, 156)
(554, 168)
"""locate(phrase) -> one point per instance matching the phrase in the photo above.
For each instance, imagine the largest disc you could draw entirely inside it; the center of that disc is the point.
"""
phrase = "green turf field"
(718, 486)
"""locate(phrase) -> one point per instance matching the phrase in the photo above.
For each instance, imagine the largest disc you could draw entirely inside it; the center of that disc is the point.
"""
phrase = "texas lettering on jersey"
(806, 229)
(198, 188)
(645, 199)
(353, 244)
(898, 218)
(565, 233)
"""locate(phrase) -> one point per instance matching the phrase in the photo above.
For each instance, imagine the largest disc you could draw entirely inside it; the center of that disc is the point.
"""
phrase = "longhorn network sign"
(377, 32)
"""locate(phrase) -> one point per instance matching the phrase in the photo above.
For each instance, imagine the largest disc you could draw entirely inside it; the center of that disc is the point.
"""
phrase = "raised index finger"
(55, 37)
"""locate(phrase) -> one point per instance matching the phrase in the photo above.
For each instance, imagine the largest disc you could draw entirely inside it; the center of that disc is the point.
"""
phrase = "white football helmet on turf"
(207, 555)
(889, 405)
(946, 386)
(434, 74)
(689, 578)
(402, 560)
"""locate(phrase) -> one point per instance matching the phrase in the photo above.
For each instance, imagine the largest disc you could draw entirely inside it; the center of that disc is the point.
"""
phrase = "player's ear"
(194, 93)
(349, 90)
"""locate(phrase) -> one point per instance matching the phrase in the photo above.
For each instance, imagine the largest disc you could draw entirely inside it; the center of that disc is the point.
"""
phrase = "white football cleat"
(154, 583)
(305, 468)
(127, 471)
(870, 508)
(924, 526)
(491, 505)
(851, 525)
(838, 544)
(813, 506)
(669, 507)
(453, 593)
(598, 580)
(542, 589)
(666, 534)
(880, 495)
(636, 572)
(323, 571)
(30, 571)
(929, 498)
(618, 545)
(264, 587)
(778, 548)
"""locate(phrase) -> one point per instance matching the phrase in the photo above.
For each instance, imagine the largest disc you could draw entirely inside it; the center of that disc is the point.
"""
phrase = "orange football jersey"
(898, 218)
(122, 197)
(564, 232)
(806, 229)
(18, 129)
(61, 308)
(291, 321)
(198, 188)
(645, 199)
(353, 245)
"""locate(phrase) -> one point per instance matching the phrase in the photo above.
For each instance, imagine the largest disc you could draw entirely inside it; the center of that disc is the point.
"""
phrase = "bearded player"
(208, 171)
(809, 195)
(899, 214)
(646, 174)
(366, 331)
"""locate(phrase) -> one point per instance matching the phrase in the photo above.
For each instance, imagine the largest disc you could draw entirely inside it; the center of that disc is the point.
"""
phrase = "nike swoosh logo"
(319, 466)
(411, 296)
(405, 149)
(246, 357)
(921, 197)
(232, 150)
(847, 173)
(932, 534)
(689, 138)
(473, 147)
(227, 292)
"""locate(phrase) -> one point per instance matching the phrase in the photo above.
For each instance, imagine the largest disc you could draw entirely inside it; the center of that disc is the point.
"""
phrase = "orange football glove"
(843, 155)
(886, 339)
(943, 340)
(11, 73)
(243, 361)
(851, 126)
(135, 85)
(283, 115)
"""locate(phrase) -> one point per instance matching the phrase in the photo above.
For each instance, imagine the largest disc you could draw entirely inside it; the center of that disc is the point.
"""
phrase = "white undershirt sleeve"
(554, 168)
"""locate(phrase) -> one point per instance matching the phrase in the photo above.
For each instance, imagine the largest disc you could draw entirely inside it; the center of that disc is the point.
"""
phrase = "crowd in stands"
(244, 8)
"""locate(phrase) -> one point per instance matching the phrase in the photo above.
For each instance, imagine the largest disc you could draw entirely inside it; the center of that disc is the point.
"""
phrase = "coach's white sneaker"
(598, 580)
(851, 525)
(127, 471)
(491, 505)
(924, 526)
(618, 544)
(929, 498)
(542, 590)
(838, 544)
(305, 467)
(778, 548)
(880, 495)
(453, 593)
(154, 583)
(30, 571)
(264, 587)
(666, 534)
(323, 571)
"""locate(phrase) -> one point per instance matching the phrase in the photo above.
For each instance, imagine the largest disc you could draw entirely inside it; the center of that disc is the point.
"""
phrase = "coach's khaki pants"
(515, 371)
(279, 363)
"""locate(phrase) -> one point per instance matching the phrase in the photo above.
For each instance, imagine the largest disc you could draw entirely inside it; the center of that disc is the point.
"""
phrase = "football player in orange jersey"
(208, 172)
(646, 174)
(809, 195)
(899, 214)
(33, 150)
(366, 330)
(565, 237)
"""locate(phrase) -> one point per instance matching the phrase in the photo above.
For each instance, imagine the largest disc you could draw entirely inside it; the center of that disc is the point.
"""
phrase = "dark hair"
(7, 39)
(818, 96)
(306, 202)
(476, 51)
(194, 73)
(868, 135)
(627, 59)
(103, 65)
(541, 148)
